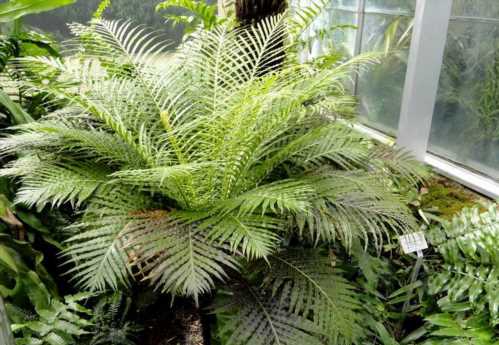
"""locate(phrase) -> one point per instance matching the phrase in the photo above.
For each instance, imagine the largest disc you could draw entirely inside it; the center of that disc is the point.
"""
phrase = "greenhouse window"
(438, 94)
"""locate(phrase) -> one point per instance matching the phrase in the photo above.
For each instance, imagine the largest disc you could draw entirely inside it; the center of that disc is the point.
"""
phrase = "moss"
(447, 198)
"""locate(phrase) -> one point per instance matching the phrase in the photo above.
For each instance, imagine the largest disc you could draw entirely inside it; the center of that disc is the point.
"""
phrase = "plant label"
(414, 242)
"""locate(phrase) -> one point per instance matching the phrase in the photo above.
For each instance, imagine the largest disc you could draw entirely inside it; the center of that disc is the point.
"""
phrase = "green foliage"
(6, 336)
(200, 14)
(19, 115)
(141, 12)
(188, 174)
(486, 109)
(308, 284)
(57, 323)
(18, 103)
(261, 320)
(15, 9)
(381, 87)
(103, 6)
(445, 329)
(470, 276)
(109, 321)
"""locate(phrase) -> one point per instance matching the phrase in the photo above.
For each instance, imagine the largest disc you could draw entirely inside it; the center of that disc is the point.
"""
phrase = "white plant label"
(414, 242)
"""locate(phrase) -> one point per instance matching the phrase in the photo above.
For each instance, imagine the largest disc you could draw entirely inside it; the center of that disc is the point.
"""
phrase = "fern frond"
(303, 16)
(254, 236)
(355, 204)
(98, 249)
(177, 257)
(283, 197)
(333, 144)
(166, 177)
(308, 284)
(400, 164)
(468, 245)
(91, 143)
(253, 318)
(59, 182)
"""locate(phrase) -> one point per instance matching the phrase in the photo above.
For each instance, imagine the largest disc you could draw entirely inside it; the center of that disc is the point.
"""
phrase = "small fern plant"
(57, 322)
(470, 276)
(213, 170)
(109, 322)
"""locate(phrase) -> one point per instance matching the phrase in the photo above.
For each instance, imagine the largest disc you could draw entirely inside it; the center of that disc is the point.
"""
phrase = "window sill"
(475, 181)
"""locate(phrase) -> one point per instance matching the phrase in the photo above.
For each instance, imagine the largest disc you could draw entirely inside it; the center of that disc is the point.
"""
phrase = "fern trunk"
(6, 337)
(253, 11)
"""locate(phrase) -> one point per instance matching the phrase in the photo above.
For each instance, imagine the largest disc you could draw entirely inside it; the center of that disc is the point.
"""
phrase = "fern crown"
(183, 163)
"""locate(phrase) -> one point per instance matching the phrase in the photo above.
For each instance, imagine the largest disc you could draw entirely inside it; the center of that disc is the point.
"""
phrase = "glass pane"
(476, 8)
(333, 31)
(139, 12)
(346, 4)
(380, 88)
(465, 125)
(390, 5)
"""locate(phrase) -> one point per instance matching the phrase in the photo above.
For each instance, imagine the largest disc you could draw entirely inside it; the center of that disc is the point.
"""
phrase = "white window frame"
(429, 38)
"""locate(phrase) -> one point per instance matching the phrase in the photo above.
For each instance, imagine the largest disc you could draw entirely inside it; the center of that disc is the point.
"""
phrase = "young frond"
(166, 178)
(307, 284)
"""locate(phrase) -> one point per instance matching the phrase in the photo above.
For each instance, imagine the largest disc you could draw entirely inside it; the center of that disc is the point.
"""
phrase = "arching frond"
(308, 284)
(254, 236)
(254, 318)
(303, 16)
(98, 250)
(91, 143)
(177, 257)
(58, 182)
(283, 197)
(353, 205)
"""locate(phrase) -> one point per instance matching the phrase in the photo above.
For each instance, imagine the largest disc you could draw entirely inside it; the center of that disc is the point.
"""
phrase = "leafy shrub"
(467, 281)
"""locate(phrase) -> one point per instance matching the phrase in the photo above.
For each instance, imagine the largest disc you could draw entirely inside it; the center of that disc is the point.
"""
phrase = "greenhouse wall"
(460, 118)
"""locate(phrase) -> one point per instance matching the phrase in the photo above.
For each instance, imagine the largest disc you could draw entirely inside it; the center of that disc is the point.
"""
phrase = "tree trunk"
(250, 12)
(165, 324)
(6, 337)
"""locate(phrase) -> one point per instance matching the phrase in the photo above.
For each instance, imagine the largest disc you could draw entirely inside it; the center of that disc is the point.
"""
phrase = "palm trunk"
(6, 337)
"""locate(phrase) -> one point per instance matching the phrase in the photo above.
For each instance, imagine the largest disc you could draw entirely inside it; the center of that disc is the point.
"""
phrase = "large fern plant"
(207, 168)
